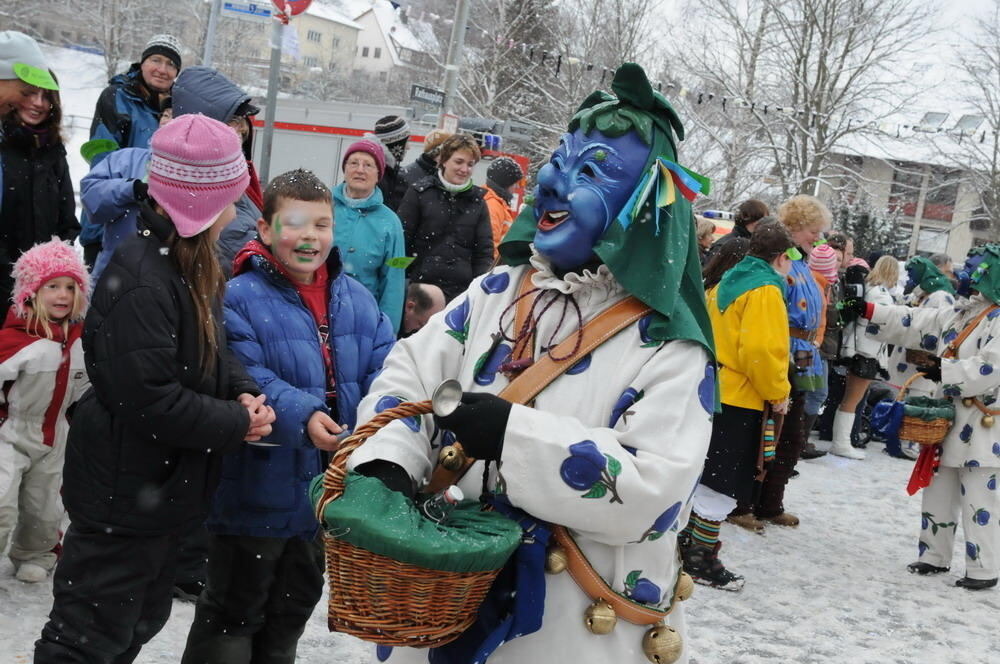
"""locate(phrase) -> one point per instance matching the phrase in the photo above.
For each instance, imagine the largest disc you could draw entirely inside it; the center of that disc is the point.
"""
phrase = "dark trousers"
(837, 383)
(259, 594)
(193, 556)
(786, 455)
(112, 594)
(90, 253)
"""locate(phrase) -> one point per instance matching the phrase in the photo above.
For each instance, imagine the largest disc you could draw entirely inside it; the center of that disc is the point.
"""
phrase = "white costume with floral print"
(970, 454)
(613, 448)
(899, 369)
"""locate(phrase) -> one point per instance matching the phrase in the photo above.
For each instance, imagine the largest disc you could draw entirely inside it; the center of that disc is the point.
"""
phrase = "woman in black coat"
(446, 223)
(145, 447)
(36, 193)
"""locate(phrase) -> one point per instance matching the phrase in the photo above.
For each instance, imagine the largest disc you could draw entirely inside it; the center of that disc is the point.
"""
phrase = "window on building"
(378, 53)
(255, 53)
(310, 61)
(907, 179)
(364, 52)
(383, 76)
(335, 42)
(942, 193)
(314, 36)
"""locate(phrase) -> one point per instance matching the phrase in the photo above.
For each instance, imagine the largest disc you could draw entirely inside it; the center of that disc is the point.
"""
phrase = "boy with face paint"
(314, 338)
(598, 453)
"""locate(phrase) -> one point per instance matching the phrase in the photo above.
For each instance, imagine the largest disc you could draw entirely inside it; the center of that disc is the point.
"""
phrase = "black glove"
(479, 424)
(139, 189)
(931, 371)
(853, 308)
(390, 474)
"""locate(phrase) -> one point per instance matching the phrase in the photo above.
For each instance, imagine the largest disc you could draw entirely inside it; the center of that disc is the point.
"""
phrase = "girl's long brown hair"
(200, 269)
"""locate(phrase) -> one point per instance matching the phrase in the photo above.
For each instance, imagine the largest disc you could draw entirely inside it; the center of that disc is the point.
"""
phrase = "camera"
(854, 291)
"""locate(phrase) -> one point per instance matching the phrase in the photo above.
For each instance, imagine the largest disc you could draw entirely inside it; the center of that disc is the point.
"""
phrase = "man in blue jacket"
(128, 112)
(314, 339)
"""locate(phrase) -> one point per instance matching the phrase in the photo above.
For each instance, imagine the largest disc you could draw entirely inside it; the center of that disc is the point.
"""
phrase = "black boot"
(703, 565)
(925, 568)
(973, 584)
(810, 451)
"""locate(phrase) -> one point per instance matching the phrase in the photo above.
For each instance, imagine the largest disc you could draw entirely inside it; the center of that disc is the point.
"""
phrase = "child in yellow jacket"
(750, 325)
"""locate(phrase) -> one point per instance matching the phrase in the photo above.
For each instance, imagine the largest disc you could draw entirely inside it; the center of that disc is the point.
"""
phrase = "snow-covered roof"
(395, 33)
(331, 12)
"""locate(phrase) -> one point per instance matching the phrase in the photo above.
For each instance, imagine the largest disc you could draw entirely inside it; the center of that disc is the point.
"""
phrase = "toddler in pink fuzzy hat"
(41, 359)
(823, 260)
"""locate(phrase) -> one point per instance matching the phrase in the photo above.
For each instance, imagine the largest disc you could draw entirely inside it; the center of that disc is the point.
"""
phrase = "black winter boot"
(925, 568)
(975, 584)
(704, 566)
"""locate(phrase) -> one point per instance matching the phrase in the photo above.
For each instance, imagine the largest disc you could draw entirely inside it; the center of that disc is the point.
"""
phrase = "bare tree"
(804, 71)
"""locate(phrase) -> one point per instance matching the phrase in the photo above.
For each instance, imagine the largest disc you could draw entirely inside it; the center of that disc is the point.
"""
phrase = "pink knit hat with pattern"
(371, 148)
(43, 263)
(197, 169)
(823, 259)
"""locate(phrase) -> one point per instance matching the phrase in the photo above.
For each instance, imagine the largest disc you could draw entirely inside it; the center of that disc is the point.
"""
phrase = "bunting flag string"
(562, 63)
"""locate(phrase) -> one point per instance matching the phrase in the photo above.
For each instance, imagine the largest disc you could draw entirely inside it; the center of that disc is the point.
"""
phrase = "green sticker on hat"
(35, 76)
(402, 262)
(91, 149)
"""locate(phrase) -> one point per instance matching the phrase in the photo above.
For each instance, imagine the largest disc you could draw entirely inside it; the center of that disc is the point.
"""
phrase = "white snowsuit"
(856, 342)
(970, 455)
(644, 405)
(899, 369)
(32, 448)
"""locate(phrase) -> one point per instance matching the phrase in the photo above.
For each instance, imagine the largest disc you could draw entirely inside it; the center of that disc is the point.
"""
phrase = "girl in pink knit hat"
(144, 452)
(41, 359)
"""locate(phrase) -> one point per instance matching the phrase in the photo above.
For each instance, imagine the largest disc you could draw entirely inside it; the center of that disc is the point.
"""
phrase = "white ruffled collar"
(592, 285)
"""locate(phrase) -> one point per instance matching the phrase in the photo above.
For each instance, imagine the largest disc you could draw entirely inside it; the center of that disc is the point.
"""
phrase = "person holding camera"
(863, 355)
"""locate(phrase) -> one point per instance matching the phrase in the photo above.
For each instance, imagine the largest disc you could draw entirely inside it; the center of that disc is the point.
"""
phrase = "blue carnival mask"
(911, 280)
(965, 275)
(581, 190)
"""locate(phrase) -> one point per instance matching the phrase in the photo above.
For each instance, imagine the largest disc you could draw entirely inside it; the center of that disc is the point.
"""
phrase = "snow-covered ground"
(835, 589)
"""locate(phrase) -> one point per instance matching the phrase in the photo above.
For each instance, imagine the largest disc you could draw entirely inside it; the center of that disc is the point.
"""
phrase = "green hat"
(927, 275)
(20, 57)
(91, 149)
(651, 247)
(986, 277)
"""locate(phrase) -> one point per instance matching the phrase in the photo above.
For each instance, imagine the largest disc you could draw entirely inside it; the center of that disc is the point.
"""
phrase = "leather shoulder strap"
(952, 350)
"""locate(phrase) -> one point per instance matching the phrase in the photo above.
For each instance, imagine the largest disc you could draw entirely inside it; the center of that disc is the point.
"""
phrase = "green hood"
(986, 277)
(927, 275)
(748, 274)
(651, 247)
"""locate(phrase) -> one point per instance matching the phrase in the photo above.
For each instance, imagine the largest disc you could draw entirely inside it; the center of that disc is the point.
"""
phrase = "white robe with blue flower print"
(612, 449)
(900, 370)
(975, 373)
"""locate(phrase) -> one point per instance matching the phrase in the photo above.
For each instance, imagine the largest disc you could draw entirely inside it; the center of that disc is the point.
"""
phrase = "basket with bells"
(661, 643)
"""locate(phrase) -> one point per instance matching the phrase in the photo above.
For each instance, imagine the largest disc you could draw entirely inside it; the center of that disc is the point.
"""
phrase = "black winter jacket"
(146, 442)
(449, 234)
(37, 197)
(393, 186)
(420, 168)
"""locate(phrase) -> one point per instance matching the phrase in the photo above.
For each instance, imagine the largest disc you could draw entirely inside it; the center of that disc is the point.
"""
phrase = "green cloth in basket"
(929, 409)
(377, 519)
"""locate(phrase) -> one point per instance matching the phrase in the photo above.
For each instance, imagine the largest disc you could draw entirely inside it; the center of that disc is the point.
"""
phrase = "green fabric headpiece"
(927, 275)
(651, 247)
(748, 274)
(986, 277)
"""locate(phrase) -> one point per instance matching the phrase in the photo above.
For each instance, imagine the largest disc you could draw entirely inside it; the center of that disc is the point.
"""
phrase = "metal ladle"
(447, 397)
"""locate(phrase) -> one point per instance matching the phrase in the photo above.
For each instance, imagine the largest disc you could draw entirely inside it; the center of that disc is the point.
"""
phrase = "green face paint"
(303, 247)
(276, 225)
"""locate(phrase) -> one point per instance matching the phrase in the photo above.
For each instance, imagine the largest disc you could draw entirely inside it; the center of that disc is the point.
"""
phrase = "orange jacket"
(501, 217)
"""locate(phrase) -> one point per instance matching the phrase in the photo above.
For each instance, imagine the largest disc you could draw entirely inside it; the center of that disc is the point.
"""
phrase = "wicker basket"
(386, 601)
(919, 430)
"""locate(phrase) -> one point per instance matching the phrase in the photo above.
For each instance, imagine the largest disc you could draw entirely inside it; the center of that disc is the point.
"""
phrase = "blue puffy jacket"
(127, 113)
(263, 492)
(368, 235)
(107, 195)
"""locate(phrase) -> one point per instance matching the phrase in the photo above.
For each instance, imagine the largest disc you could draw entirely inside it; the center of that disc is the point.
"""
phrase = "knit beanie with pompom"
(43, 263)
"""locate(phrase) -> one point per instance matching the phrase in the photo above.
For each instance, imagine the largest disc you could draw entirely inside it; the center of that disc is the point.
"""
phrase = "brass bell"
(968, 402)
(600, 618)
(987, 421)
(452, 458)
(662, 644)
(684, 588)
(555, 561)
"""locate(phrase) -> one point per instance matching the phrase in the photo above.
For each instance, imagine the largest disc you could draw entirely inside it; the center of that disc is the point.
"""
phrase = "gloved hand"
(139, 189)
(392, 475)
(931, 371)
(479, 424)
(853, 308)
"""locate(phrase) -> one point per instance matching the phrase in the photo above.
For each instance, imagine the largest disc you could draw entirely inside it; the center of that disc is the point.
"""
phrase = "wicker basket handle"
(904, 388)
(336, 472)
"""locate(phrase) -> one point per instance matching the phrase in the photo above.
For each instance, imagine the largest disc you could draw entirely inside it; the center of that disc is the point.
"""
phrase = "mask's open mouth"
(551, 219)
